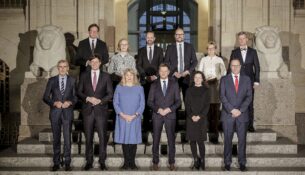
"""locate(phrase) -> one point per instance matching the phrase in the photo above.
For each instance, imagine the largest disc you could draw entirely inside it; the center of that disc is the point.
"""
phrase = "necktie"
(236, 83)
(62, 86)
(150, 55)
(94, 81)
(164, 87)
(243, 49)
(92, 47)
(181, 68)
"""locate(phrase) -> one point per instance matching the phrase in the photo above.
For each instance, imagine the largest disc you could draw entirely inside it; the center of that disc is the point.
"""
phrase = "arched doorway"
(162, 17)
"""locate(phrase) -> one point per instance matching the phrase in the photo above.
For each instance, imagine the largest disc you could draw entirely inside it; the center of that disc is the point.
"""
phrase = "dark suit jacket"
(145, 68)
(104, 92)
(232, 100)
(190, 59)
(84, 52)
(250, 67)
(171, 100)
(52, 93)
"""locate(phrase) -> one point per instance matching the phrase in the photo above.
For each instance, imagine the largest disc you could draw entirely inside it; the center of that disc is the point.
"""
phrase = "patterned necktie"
(181, 68)
(150, 55)
(94, 81)
(236, 83)
(164, 87)
(92, 47)
(62, 86)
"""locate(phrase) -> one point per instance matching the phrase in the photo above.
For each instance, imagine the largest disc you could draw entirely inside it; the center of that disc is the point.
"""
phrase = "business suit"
(147, 68)
(84, 52)
(95, 116)
(61, 117)
(190, 62)
(251, 68)
(157, 100)
(235, 100)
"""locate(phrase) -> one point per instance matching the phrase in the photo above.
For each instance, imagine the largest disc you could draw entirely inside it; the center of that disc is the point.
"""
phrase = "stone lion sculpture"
(269, 49)
(49, 48)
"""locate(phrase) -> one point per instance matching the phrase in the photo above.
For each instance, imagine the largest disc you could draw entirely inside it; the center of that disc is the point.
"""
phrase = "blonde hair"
(63, 61)
(212, 43)
(119, 44)
(135, 78)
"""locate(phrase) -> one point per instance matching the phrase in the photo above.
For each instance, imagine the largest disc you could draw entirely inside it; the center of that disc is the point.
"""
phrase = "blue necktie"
(164, 87)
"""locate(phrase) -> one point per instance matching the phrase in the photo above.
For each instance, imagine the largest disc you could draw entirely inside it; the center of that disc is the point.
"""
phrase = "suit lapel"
(232, 84)
(169, 84)
(239, 55)
(68, 85)
(99, 81)
(247, 54)
(57, 90)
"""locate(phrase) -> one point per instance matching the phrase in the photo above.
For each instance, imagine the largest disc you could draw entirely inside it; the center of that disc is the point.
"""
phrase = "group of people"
(148, 88)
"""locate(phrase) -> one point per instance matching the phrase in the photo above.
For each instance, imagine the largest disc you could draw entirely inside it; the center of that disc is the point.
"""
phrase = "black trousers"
(58, 121)
(170, 125)
(183, 86)
(213, 120)
(251, 111)
(147, 114)
(129, 153)
(201, 146)
(99, 122)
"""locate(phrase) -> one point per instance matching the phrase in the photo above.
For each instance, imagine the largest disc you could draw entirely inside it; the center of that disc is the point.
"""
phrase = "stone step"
(147, 171)
(261, 135)
(261, 160)
(282, 146)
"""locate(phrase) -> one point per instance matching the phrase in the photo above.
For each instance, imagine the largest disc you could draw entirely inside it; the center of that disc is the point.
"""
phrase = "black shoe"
(68, 168)
(242, 167)
(88, 166)
(103, 167)
(215, 141)
(251, 129)
(55, 168)
(124, 167)
(202, 164)
(197, 163)
(134, 167)
(227, 168)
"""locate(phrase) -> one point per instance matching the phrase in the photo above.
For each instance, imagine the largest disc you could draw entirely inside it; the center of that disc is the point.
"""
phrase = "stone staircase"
(266, 154)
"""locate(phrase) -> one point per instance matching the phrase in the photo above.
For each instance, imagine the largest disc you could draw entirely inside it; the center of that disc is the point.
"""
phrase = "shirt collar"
(97, 71)
(182, 43)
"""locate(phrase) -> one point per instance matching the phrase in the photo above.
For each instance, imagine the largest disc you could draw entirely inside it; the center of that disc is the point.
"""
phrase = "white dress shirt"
(94, 41)
(244, 53)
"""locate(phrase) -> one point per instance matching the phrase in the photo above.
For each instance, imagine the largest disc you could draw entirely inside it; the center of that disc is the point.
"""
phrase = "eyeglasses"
(179, 34)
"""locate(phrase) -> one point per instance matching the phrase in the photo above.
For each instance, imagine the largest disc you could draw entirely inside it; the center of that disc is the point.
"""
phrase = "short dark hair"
(96, 56)
(94, 25)
(242, 33)
(234, 59)
(204, 82)
(150, 31)
(164, 65)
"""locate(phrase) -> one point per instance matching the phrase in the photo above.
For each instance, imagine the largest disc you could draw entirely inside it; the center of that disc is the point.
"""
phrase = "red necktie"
(236, 83)
(94, 81)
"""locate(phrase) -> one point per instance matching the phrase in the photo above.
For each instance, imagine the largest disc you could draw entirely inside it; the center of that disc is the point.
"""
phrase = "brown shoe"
(155, 167)
(172, 167)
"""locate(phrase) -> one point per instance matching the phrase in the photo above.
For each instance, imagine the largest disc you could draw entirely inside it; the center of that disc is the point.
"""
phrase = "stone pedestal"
(274, 105)
(34, 112)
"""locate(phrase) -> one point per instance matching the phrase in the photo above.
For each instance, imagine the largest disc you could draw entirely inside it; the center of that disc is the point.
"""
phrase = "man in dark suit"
(149, 59)
(182, 60)
(60, 96)
(95, 90)
(236, 96)
(90, 46)
(164, 99)
(249, 66)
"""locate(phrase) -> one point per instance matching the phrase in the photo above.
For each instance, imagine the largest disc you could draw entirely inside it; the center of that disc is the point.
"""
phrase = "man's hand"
(185, 73)
(94, 101)
(256, 85)
(167, 110)
(153, 78)
(66, 104)
(161, 112)
(177, 75)
(235, 113)
(58, 104)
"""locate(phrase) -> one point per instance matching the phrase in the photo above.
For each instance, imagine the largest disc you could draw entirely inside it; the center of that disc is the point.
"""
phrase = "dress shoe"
(242, 167)
(172, 167)
(155, 167)
(202, 164)
(134, 167)
(227, 168)
(68, 168)
(251, 129)
(197, 163)
(88, 166)
(103, 167)
(124, 167)
(55, 168)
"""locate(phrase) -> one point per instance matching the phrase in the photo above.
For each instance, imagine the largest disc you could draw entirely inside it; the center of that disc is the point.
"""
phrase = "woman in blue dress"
(129, 103)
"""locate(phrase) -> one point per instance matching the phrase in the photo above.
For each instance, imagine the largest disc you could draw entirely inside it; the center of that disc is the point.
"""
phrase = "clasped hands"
(235, 113)
(94, 101)
(164, 112)
(128, 118)
(59, 104)
(195, 118)
(183, 74)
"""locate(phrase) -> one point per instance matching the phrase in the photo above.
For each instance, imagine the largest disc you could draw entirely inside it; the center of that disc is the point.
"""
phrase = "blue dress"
(129, 100)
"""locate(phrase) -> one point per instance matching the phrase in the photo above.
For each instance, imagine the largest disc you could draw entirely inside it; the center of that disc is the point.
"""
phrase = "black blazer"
(171, 100)
(190, 59)
(52, 93)
(104, 92)
(231, 100)
(84, 52)
(250, 67)
(144, 67)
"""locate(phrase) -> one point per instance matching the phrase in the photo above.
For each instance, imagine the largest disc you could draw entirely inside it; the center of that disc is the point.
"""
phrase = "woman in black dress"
(197, 103)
